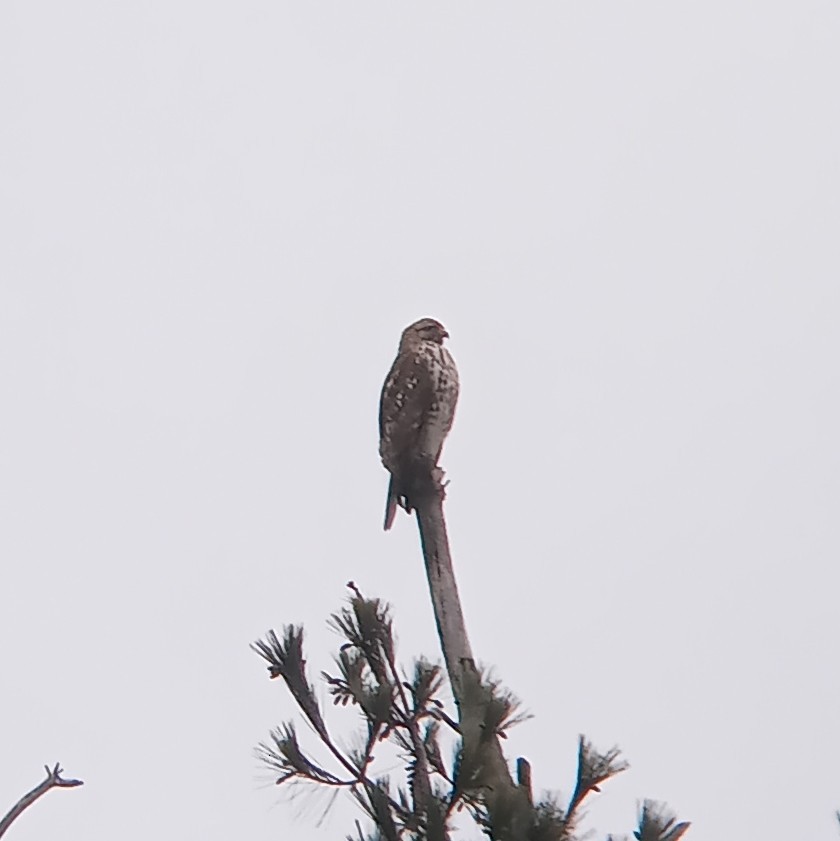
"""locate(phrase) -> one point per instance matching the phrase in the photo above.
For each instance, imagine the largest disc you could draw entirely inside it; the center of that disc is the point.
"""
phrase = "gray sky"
(216, 220)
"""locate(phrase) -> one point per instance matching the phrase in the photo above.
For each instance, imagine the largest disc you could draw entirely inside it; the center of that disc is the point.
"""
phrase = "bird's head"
(424, 330)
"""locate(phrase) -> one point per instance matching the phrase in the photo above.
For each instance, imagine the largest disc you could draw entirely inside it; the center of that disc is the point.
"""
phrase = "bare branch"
(482, 762)
(523, 777)
(53, 780)
(443, 587)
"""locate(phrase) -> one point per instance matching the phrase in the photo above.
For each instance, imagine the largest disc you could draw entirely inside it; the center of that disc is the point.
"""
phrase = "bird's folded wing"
(407, 396)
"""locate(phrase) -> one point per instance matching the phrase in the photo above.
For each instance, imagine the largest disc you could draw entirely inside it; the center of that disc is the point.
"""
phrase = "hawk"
(416, 411)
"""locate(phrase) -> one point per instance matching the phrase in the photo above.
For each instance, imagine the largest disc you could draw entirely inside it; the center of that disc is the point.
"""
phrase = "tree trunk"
(507, 804)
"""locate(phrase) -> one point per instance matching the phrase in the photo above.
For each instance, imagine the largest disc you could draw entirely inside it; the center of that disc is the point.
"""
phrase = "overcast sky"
(216, 220)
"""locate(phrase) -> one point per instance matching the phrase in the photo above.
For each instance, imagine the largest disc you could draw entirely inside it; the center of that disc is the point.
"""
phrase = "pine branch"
(285, 756)
(409, 714)
(370, 650)
(593, 769)
(285, 659)
(657, 823)
(419, 776)
(367, 626)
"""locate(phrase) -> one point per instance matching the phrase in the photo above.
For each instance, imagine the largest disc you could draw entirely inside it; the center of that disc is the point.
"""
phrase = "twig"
(53, 780)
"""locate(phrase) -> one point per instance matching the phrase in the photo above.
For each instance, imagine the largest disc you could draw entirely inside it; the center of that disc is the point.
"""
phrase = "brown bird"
(416, 410)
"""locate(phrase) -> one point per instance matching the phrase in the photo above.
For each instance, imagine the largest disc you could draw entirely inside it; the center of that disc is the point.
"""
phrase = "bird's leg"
(426, 479)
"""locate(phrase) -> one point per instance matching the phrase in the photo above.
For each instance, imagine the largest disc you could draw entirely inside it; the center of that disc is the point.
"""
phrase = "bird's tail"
(391, 504)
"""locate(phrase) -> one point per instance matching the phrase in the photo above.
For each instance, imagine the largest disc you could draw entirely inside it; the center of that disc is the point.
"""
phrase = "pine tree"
(407, 712)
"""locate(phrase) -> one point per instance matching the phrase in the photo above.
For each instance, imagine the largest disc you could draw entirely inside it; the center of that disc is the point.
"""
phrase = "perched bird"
(416, 411)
